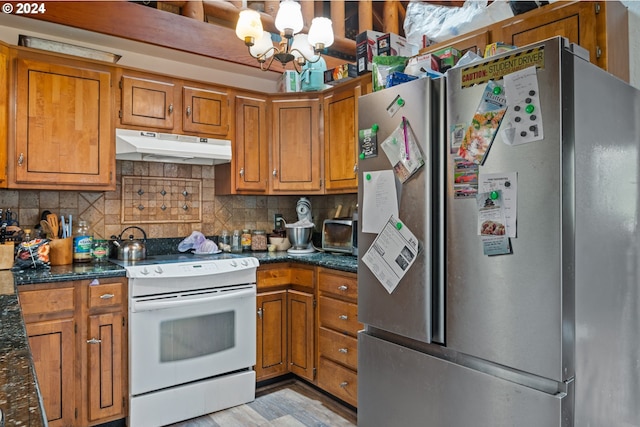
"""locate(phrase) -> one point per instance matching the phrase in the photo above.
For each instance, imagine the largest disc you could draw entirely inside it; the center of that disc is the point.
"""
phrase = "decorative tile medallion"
(161, 200)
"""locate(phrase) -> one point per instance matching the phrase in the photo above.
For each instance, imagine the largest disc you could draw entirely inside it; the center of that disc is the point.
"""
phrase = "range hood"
(171, 148)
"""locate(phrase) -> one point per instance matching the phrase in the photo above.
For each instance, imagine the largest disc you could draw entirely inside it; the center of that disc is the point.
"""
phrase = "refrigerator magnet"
(368, 142)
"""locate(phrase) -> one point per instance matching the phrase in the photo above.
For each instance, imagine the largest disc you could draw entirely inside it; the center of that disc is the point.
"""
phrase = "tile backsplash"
(105, 214)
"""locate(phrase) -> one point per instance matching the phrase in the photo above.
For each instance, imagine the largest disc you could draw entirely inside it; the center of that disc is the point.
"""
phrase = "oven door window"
(175, 340)
(191, 337)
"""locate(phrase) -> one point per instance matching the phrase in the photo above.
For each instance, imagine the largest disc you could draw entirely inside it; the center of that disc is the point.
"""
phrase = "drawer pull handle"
(343, 317)
(107, 296)
(343, 350)
(344, 384)
(343, 287)
(94, 341)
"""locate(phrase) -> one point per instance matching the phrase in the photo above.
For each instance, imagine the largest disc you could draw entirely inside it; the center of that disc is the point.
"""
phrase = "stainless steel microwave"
(340, 235)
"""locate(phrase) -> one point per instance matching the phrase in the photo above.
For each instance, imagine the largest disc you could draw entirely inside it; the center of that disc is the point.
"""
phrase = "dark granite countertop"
(20, 398)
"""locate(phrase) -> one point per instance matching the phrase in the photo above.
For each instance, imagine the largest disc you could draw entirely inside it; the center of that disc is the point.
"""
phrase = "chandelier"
(293, 46)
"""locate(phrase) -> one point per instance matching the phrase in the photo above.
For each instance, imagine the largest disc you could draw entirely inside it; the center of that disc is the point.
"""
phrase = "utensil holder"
(61, 251)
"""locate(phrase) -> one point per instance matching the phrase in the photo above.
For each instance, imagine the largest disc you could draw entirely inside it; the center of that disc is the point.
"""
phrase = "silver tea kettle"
(130, 250)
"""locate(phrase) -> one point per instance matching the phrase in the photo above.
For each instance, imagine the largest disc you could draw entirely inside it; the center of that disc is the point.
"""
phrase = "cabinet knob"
(275, 172)
(170, 108)
(343, 350)
(241, 172)
(20, 159)
(355, 168)
(94, 341)
(106, 296)
(188, 110)
(343, 317)
(260, 313)
(343, 384)
(343, 288)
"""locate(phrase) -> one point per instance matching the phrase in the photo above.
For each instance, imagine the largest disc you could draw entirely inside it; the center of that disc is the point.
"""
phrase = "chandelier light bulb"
(249, 26)
(321, 33)
(302, 48)
(263, 47)
(289, 18)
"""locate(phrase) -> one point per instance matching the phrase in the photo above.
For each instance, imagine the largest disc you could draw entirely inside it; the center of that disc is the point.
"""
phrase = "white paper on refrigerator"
(507, 183)
(379, 200)
(392, 253)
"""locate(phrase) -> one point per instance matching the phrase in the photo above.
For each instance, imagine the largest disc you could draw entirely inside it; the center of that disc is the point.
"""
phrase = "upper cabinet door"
(296, 159)
(147, 103)
(340, 140)
(251, 155)
(63, 136)
(205, 111)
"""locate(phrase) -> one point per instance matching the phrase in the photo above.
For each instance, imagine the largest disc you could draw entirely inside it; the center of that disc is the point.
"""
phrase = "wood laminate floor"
(288, 404)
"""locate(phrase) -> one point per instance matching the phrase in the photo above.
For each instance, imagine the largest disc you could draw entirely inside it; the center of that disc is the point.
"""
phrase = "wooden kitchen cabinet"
(338, 327)
(341, 139)
(147, 102)
(248, 171)
(296, 156)
(286, 321)
(271, 350)
(172, 105)
(63, 135)
(49, 316)
(601, 27)
(77, 335)
(104, 356)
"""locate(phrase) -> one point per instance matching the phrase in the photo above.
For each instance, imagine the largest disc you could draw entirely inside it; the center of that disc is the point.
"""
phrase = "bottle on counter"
(245, 240)
(236, 241)
(82, 243)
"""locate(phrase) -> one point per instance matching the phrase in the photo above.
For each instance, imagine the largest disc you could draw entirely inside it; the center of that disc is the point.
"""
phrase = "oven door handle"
(141, 305)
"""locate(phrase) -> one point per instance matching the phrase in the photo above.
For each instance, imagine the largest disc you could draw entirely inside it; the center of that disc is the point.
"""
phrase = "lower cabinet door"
(301, 327)
(271, 348)
(53, 350)
(105, 367)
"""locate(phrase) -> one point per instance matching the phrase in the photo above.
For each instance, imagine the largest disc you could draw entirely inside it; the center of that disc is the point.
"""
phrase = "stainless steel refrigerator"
(547, 332)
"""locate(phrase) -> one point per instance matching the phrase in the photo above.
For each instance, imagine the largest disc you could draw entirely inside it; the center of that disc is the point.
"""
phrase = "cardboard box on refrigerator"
(391, 44)
(366, 49)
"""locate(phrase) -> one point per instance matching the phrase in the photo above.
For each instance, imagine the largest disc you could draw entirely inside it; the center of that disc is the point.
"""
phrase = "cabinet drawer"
(339, 315)
(107, 295)
(273, 277)
(339, 381)
(339, 348)
(335, 284)
(46, 301)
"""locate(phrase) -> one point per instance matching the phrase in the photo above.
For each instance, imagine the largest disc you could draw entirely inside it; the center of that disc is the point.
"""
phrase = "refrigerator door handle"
(438, 291)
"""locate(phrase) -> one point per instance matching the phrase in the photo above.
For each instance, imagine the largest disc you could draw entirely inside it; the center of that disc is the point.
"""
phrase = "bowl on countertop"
(282, 243)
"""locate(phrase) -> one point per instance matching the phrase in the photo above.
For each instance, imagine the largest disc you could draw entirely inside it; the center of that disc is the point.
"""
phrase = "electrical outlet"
(278, 222)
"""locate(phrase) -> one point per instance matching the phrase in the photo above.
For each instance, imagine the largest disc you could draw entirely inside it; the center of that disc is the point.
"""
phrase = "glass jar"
(259, 240)
(82, 243)
(99, 251)
(245, 240)
(236, 244)
(225, 239)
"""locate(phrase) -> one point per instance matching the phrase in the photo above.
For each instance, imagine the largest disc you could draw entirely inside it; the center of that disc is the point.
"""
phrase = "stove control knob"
(158, 270)
(244, 262)
(144, 271)
(233, 264)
